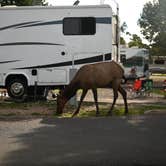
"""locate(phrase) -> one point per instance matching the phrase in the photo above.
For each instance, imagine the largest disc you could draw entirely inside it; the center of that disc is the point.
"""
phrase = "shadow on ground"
(111, 141)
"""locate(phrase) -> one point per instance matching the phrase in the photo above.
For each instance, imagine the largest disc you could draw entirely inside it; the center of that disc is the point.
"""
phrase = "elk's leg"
(114, 101)
(124, 95)
(95, 99)
(79, 105)
(115, 86)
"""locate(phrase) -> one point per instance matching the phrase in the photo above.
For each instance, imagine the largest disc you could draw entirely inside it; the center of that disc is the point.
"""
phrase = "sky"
(129, 11)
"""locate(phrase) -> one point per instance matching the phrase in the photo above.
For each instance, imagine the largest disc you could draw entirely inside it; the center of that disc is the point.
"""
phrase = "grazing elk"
(93, 76)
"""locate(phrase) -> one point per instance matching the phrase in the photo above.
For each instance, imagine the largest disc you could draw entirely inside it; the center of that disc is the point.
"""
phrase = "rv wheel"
(17, 89)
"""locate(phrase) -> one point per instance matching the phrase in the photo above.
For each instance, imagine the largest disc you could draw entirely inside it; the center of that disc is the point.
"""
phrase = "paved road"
(111, 141)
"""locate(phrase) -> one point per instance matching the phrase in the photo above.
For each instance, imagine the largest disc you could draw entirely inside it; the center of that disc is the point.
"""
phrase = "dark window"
(133, 61)
(123, 58)
(146, 67)
(79, 26)
(159, 61)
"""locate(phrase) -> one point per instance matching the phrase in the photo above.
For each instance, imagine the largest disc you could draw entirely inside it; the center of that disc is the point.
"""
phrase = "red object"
(137, 85)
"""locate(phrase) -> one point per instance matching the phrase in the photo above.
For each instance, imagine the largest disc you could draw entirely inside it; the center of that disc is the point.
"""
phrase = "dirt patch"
(40, 110)
(27, 109)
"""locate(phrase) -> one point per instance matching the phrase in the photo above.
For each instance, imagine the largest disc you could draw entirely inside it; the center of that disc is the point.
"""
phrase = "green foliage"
(122, 41)
(23, 2)
(159, 45)
(153, 25)
(149, 20)
(136, 41)
(123, 27)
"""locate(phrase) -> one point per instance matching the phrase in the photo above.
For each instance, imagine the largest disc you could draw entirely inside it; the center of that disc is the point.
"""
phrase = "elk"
(93, 76)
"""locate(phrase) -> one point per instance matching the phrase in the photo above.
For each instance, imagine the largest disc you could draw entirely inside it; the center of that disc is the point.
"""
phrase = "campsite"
(82, 82)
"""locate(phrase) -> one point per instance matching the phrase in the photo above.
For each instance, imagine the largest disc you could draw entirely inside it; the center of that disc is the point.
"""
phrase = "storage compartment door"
(57, 76)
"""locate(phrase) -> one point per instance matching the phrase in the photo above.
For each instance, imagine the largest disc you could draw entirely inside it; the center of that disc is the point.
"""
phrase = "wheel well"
(15, 76)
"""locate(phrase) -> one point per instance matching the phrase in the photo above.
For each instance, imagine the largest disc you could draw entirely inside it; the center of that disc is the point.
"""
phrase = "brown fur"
(93, 76)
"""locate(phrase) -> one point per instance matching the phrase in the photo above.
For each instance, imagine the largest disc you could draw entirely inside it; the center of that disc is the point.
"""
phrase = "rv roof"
(54, 7)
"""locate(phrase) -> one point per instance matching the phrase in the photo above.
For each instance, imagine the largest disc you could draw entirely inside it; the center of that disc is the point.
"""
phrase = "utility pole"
(118, 34)
(117, 29)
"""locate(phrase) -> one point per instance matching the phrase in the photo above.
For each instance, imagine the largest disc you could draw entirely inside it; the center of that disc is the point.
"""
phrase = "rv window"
(79, 26)
(133, 61)
(123, 58)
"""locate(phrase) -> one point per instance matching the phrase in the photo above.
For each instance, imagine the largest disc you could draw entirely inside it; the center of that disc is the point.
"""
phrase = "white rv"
(41, 45)
(135, 62)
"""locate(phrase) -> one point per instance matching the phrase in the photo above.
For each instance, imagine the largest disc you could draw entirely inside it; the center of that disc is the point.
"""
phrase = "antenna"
(76, 3)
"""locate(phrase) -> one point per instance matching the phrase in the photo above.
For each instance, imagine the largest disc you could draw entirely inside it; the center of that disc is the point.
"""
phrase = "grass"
(159, 92)
(27, 105)
(158, 74)
(87, 110)
(8, 114)
(36, 114)
(13, 105)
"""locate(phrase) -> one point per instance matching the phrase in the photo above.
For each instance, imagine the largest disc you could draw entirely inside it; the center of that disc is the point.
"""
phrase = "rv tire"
(17, 89)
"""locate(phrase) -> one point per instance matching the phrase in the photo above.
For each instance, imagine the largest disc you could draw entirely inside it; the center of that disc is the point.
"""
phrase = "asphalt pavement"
(109, 141)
